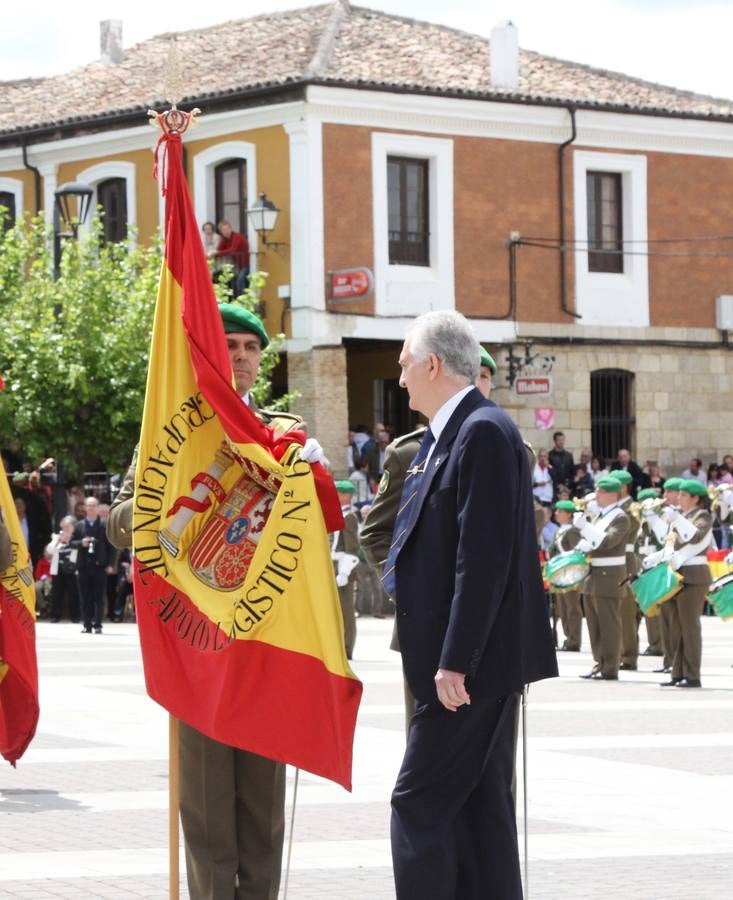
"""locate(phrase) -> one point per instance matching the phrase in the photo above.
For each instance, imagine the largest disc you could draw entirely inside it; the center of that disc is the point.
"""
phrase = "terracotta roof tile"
(328, 44)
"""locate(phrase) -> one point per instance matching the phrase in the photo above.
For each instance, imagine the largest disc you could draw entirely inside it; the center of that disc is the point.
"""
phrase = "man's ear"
(434, 364)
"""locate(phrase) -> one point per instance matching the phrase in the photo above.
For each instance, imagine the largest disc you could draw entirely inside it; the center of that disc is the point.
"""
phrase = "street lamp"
(71, 210)
(263, 216)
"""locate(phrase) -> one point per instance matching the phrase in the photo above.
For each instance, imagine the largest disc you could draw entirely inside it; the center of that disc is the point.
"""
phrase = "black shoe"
(569, 648)
(55, 621)
(98, 629)
(592, 674)
(651, 651)
(673, 682)
(628, 667)
(663, 670)
(688, 683)
(86, 630)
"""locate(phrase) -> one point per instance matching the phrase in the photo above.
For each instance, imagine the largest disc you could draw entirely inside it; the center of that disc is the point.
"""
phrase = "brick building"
(583, 219)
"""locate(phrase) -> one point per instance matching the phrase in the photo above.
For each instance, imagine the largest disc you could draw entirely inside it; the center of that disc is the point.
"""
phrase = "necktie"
(409, 492)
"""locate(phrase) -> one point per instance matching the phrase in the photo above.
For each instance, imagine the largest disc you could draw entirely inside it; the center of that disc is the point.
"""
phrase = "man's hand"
(451, 689)
(312, 452)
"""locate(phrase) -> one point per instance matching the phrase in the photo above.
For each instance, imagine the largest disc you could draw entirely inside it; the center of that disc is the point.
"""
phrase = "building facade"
(583, 220)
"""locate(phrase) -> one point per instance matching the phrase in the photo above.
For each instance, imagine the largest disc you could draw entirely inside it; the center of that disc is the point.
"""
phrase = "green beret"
(567, 505)
(609, 483)
(237, 318)
(694, 487)
(488, 360)
(622, 475)
(345, 487)
(672, 484)
(648, 494)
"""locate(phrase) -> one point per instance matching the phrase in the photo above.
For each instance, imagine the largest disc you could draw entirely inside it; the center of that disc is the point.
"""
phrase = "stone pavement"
(630, 785)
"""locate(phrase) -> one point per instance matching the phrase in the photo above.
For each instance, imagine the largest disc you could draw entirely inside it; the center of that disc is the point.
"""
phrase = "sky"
(683, 43)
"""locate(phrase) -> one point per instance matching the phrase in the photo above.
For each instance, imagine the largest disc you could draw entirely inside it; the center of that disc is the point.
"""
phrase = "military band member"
(605, 540)
(232, 801)
(345, 553)
(692, 531)
(566, 539)
(658, 523)
(649, 543)
(630, 614)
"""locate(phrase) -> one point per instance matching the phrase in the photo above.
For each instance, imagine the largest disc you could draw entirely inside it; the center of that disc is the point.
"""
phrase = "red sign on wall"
(533, 385)
(350, 284)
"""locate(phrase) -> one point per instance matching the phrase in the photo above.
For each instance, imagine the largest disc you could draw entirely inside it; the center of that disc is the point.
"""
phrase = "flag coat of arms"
(237, 607)
(18, 665)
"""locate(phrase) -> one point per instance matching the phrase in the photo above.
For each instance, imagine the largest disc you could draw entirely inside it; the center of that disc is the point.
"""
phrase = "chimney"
(504, 56)
(110, 41)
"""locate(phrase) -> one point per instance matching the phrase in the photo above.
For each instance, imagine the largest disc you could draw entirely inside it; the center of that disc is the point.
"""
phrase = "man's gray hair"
(449, 336)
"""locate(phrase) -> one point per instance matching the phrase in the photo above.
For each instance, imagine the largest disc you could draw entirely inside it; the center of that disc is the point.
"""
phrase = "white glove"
(312, 452)
(592, 509)
(669, 514)
(579, 519)
(342, 580)
(592, 534)
(583, 546)
(729, 559)
(648, 562)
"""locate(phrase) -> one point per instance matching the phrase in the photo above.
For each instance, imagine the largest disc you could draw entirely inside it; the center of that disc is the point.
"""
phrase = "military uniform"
(649, 543)
(376, 535)
(605, 539)
(690, 560)
(347, 541)
(232, 802)
(571, 613)
(630, 613)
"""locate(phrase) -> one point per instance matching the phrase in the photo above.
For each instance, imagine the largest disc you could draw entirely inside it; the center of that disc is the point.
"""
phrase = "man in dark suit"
(93, 563)
(472, 623)
(639, 479)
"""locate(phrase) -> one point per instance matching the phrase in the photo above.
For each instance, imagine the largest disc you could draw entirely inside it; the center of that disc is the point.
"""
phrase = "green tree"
(74, 351)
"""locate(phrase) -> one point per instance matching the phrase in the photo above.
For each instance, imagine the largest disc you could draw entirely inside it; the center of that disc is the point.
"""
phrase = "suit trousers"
(453, 829)
(686, 609)
(92, 584)
(233, 817)
(571, 616)
(65, 587)
(630, 617)
(603, 615)
(670, 625)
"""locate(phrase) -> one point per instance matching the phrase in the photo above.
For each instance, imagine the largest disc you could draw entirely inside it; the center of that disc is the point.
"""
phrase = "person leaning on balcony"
(233, 249)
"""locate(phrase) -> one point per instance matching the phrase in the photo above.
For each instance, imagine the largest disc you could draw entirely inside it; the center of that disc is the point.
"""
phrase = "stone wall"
(683, 400)
(320, 377)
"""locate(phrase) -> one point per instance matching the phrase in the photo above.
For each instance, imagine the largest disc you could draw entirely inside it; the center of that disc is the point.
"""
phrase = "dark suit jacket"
(469, 588)
(103, 550)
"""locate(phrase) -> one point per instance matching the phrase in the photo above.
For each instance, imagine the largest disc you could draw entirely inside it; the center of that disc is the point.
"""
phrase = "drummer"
(693, 530)
(649, 543)
(658, 524)
(630, 615)
(568, 603)
(605, 540)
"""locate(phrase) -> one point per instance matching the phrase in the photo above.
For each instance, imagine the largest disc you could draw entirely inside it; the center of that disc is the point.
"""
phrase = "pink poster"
(544, 418)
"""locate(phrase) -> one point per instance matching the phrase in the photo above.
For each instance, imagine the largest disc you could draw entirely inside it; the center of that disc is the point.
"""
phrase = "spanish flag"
(18, 665)
(236, 601)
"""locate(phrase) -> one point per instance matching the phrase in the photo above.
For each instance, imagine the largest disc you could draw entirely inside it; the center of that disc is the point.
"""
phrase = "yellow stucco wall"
(29, 188)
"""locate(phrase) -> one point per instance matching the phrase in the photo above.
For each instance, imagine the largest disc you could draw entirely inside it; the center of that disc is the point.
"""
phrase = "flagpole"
(173, 809)
(290, 837)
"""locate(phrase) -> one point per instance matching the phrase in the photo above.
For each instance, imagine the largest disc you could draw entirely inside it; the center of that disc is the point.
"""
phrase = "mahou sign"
(350, 284)
(533, 385)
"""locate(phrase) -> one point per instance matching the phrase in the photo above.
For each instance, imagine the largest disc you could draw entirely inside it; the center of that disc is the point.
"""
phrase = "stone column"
(320, 376)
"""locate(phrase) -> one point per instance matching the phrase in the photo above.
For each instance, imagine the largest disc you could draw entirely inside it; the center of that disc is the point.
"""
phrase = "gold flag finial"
(174, 120)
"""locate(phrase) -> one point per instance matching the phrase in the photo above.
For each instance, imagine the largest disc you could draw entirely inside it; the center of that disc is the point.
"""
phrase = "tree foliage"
(74, 350)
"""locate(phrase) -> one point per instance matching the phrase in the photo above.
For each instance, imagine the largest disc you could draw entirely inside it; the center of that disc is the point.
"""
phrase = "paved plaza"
(630, 785)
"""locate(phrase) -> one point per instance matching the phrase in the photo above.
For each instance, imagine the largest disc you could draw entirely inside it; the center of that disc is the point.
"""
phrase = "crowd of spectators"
(558, 477)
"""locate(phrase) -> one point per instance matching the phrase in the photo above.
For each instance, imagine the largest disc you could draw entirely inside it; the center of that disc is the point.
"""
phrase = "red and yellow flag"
(18, 665)
(238, 611)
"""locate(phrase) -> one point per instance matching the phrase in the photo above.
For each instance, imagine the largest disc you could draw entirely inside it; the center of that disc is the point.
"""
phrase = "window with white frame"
(11, 198)
(112, 197)
(412, 188)
(224, 180)
(114, 185)
(610, 211)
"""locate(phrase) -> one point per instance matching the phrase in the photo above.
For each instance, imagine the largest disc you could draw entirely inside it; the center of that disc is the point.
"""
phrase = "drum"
(720, 596)
(567, 571)
(654, 587)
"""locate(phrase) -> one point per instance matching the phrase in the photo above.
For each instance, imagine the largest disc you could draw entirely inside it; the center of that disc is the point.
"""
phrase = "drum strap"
(685, 555)
(608, 561)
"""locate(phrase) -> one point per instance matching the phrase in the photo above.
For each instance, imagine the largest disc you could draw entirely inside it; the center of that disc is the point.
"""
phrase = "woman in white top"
(542, 480)
(211, 239)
